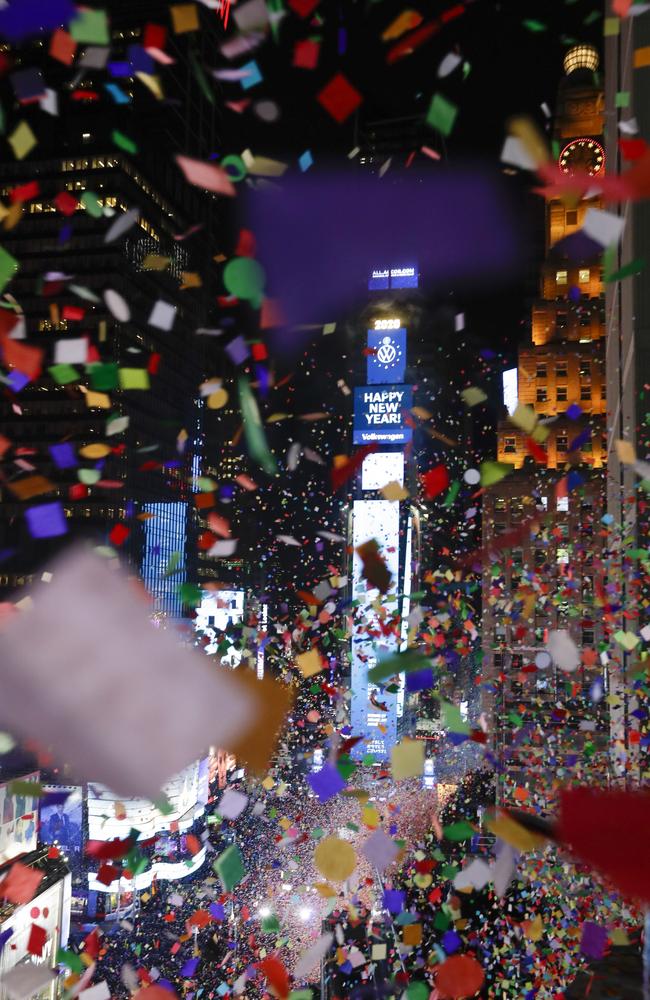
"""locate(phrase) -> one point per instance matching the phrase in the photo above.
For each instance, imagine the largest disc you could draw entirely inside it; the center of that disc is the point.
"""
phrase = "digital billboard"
(386, 356)
(62, 823)
(380, 412)
(110, 815)
(18, 815)
(393, 277)
(380, 468)
(373, 713)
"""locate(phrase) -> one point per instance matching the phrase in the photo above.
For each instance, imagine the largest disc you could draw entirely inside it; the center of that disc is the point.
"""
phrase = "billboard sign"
(380, 412)
(62, 823)
(387, 362)
(18, 815)
(393, 277)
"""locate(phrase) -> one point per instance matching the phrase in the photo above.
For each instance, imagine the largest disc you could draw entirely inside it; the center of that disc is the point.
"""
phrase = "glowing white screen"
(510, 389)
(380, 468)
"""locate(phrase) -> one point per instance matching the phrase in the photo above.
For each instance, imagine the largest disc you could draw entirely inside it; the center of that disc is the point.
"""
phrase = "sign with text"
(387, 362)
(379, 414)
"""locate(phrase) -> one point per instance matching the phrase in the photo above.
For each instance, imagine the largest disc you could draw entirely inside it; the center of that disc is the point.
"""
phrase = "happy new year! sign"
(379, 414)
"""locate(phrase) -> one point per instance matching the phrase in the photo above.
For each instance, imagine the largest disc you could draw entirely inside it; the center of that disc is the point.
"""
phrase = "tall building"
(542, 529)
(627, 301)
(113, 421)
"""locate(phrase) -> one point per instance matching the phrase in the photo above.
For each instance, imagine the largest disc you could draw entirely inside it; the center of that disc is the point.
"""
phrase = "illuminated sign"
(510, 390)
(110, 815)
(394, 277)
(379, 414)
(387, 362)
(18, 814)
(387, 324)
(218, 610)
(373, 713)
(380, 468)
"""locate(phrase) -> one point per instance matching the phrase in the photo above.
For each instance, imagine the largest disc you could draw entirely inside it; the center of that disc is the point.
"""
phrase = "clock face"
(582, 156)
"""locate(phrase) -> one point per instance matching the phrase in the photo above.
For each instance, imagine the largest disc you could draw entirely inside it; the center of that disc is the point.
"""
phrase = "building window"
(499, 528)
(571, 217)
(510, 445)
(562, 505)
(585, 369)
(562, 557)
(587, 635)
(583, 275)
(561, 319)
(562, 442)
(541, 369)
(541, 395)
(500, 503)
(562, 394)
(585, 392)
(561, 277)
(561, 369)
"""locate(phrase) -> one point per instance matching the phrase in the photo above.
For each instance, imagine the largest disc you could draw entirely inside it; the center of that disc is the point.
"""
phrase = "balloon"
(245, 278)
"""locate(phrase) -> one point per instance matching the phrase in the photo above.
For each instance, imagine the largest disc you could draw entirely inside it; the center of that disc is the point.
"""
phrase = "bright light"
(387, 324)
(304, 913)
(264, 911)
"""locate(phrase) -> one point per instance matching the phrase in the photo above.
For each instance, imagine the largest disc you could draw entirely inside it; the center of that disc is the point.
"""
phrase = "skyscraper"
(542, 531)
(113, 421)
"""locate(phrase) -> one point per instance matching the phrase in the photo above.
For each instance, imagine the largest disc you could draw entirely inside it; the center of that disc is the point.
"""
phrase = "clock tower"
(548, 578)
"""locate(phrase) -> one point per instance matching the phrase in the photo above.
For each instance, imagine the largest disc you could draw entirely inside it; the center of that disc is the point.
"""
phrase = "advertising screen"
(18, 815)
(379, 414)
(62, 823)
(393, 277)
(387, 362)
(111, 816)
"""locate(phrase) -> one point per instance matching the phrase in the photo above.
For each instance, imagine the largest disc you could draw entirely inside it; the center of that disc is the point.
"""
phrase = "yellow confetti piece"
(94, 450)
(513, 833)
(335, 859)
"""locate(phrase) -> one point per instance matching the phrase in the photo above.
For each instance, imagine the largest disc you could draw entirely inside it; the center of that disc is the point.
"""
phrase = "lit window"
(562, 557)
(562, 505)
(583, 275)
(510, 445)
(561, 277)
(541, 395)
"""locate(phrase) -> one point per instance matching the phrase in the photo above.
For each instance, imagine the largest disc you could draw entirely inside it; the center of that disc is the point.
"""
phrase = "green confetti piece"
(398, 663)
(8, 267)
(627, 271)
(190, 594)
(173, 563)
(62, 374)
(229, 866)
(593, 16)
(90, 202)
(535, 26)
(123, 142)
(441, 921)
(458, 831)
(71, 960)
(442, 114)
(253, 431)
(201, 78)
(26, 788)
(317, 833)
(515, 719)
(90, 27)
(103, 377)
(452, 493)
(494, 472)
(270, 924)
(452, 719)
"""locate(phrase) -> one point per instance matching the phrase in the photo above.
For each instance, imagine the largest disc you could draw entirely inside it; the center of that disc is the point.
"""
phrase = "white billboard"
(49, 910)
(378, 520)
(18, 816)
(217, 611)
(110, 816)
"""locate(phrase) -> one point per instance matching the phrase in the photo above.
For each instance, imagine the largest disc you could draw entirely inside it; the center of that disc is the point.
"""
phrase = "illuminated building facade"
(381, 418)
(550, 576)
(66, 266)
